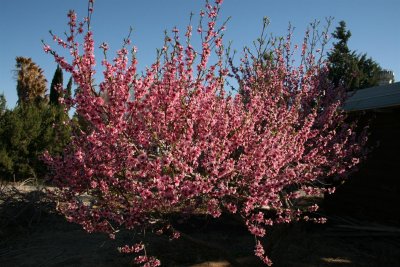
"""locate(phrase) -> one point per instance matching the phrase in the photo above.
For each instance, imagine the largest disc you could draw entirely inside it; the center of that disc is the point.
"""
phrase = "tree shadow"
(33, 234)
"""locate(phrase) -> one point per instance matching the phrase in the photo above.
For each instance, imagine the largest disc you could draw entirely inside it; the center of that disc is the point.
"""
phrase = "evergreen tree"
(342, 62)
(3, 104)
(68, 90)
(25, 133)
(57, 80)
(368, 71)
(5, 161)
(19, 128)
(347, 68)
(31, 83)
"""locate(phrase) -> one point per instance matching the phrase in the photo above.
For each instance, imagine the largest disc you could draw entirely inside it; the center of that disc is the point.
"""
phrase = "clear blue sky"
(375, 26)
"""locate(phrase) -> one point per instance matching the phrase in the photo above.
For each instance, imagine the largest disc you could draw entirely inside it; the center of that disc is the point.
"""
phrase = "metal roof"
(383, 96)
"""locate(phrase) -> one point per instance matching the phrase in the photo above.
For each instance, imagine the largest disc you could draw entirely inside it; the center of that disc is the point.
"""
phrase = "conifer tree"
(347, 68)
(3, 104)
(68, 90)
(54, 90)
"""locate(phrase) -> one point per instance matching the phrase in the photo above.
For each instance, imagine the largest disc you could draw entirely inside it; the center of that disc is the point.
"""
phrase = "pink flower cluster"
(172, 140)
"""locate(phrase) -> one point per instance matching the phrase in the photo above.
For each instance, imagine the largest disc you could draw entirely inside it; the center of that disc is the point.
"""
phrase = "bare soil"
(33, 234)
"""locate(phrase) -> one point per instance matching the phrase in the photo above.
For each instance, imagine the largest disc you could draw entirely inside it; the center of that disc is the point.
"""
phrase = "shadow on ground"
(32, 234)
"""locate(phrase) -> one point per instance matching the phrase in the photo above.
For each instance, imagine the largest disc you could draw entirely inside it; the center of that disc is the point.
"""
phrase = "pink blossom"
(171, 140)
(46, 48)
(104, 46)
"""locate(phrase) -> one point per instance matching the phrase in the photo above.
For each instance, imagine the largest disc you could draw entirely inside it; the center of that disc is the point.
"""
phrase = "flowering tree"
(172, 140)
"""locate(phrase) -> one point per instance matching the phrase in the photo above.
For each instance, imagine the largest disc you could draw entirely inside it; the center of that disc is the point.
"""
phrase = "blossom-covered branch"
(172, 140)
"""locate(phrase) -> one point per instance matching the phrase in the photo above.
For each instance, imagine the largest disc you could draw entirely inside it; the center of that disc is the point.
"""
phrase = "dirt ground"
(34, 235)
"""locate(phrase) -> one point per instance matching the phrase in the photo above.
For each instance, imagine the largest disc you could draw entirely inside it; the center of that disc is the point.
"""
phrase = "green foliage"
(5, 161)
(368, 72)
(33, 126)
(57, 80)
(68, 90)
(26, 132)
(349, 69)
(3, 104)
(343, 36)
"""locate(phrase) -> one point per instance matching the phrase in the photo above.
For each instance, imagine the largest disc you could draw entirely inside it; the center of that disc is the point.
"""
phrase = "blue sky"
(375, 26)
